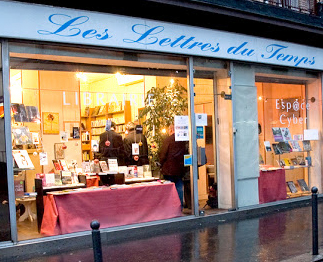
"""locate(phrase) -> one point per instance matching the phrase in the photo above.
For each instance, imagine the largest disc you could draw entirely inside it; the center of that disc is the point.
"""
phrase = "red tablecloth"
(272, 186)
(111, 207)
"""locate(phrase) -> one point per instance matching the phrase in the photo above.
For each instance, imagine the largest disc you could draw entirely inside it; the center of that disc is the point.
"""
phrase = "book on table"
(302, 184)
(291, 186)
(307, 145)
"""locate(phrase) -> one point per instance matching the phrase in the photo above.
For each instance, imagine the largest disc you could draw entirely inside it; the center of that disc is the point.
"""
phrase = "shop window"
(289, 116)
(80, 128)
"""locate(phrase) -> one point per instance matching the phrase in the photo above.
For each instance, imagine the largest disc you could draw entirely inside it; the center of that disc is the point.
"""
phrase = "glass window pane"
(289, 108)
(92, 118)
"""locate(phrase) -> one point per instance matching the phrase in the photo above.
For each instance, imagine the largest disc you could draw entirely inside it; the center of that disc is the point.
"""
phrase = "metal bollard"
(314, 221)
(96, 240)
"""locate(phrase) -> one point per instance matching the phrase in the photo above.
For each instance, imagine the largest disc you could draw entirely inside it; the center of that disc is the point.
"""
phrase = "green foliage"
(161, 105)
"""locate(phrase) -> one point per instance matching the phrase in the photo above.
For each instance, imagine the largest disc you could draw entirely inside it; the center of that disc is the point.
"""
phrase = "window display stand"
(293, 190)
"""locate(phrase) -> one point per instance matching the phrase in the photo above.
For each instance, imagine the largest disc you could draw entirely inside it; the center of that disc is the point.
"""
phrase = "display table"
(140, 179)
(272, 186)
(27, 202)
(73, 212)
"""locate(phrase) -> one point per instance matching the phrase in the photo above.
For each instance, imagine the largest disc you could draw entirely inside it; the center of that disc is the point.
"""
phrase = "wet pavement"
(282, 236)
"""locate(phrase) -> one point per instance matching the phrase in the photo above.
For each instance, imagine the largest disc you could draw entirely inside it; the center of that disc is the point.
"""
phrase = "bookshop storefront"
(147, 123)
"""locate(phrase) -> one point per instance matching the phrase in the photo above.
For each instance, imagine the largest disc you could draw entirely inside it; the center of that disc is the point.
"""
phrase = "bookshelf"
(86, 136)
(95, 120)
(297, 166)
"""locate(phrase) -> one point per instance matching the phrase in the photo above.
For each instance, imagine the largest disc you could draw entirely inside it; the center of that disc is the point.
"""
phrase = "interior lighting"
(164, 131)
(81, 76)
(260, 98)
(172, 81)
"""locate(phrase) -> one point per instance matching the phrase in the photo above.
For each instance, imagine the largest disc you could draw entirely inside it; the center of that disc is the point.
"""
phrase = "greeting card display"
(66, 177)
(295, 146)
(302, 184)
(95, 145)
(113, 164)
(22, 136)
(278, 136)
(57, 165)
(307, 145)
(267, 146)
(277, 149)
(285, 147)
(86, 167)
(104, 166)
(286, 134)
(19, 112)
(63, 164)
(43, 159)
(291, 186)
(22, 159)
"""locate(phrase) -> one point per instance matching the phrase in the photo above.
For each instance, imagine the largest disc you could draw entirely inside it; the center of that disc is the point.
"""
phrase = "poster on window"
(181, 128)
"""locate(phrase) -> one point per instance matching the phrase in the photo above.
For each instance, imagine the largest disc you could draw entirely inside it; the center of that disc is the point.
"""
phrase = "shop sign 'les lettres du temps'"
(43, 23)
(157, 36)
(290, 111)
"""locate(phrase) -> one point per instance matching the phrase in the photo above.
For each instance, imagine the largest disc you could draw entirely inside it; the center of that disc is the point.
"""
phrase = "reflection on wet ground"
(274, 237)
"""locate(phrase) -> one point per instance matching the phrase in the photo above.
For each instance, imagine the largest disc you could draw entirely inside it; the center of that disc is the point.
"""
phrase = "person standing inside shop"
(111, 145)
(135, 145)
(171, 158)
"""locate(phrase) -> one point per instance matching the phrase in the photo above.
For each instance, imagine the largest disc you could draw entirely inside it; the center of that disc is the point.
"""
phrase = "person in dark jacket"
(140, 158)
(171, 158)
(111, 145)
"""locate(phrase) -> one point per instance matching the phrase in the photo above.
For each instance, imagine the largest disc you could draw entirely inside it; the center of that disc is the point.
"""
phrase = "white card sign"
(311, 134)
(201, 119)
(181, 128)
(43, 159)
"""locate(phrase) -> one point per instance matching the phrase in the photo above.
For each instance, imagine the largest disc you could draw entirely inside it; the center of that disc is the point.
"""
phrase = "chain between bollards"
(96, 240)
(314, 221)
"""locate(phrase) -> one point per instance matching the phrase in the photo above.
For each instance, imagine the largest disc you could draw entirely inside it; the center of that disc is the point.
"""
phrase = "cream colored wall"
(52, 86)
(30, 94)
(30, 97)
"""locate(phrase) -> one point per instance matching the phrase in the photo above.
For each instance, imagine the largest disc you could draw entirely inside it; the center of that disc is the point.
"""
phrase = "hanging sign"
(201, 119)
(181, 128)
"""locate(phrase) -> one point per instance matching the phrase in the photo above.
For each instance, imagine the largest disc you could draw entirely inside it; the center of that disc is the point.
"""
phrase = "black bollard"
(314, 221)
(96, 240)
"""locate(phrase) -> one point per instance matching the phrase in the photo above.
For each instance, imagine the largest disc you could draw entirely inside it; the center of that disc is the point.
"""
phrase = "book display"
(292, 154)
(94, 124)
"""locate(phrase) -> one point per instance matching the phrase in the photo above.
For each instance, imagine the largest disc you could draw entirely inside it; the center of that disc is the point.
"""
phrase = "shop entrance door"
(211, 87)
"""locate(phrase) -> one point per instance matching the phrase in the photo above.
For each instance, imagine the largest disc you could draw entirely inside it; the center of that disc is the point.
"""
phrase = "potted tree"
(161, 105)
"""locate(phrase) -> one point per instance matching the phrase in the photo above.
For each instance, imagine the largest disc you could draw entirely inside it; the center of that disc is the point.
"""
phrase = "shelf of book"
(295, 167)
(293, 154)
(94, 120)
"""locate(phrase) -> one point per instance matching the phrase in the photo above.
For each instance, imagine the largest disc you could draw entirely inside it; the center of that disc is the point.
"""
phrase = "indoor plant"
(161, 105)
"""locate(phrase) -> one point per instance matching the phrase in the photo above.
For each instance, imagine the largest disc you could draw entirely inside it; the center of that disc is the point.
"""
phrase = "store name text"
(103, 99)
(145, 35)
